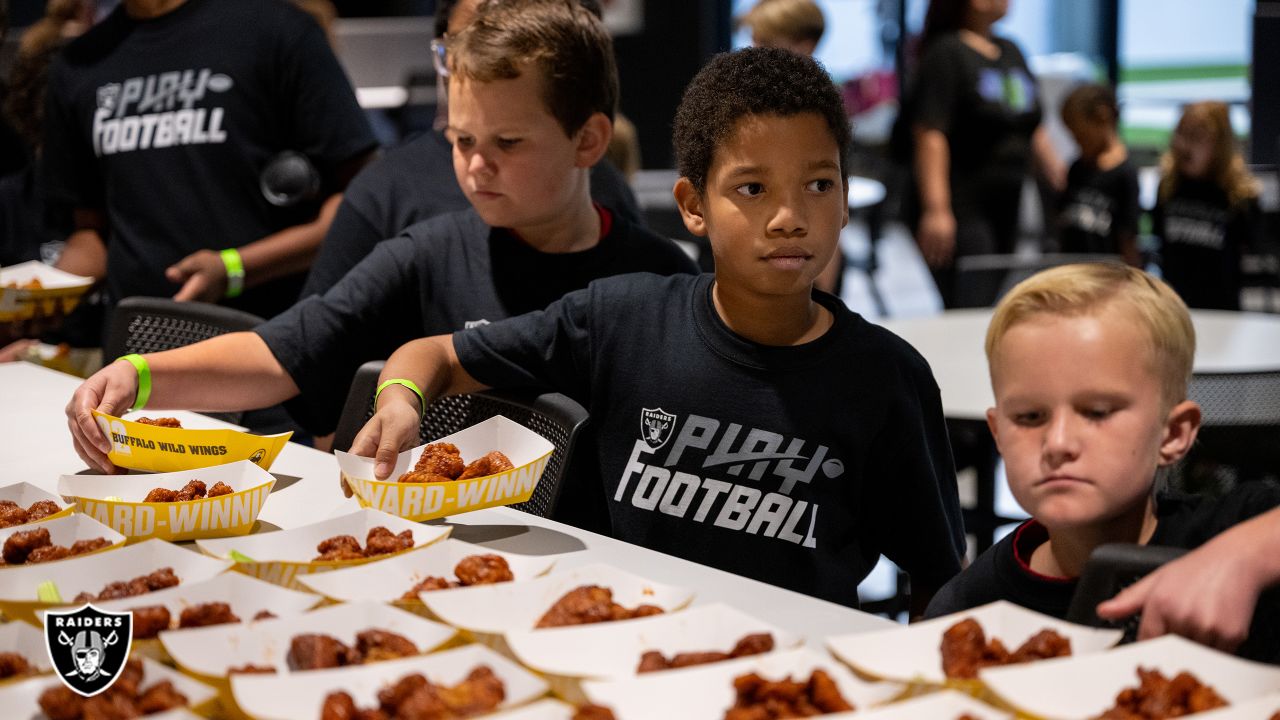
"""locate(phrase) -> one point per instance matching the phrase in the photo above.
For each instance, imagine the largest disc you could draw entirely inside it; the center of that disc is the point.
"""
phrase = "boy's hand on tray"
(393, 428)
(111, 390)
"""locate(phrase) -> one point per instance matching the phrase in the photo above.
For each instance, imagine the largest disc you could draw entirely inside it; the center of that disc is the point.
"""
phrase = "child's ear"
(691, 203)
(993, 426)
(593, 140)
(1180, 429)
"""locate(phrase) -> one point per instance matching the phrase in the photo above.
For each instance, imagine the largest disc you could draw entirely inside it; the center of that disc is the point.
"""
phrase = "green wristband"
(422, 401)
(235, 271)
(139, 363)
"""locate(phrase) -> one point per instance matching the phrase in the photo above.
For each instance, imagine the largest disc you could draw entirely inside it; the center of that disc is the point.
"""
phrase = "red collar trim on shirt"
(606, 222)
(1029, 536)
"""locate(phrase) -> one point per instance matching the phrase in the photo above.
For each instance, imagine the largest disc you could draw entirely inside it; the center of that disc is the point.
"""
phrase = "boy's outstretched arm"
(431, 364)
(236, 371)
(1209, 594)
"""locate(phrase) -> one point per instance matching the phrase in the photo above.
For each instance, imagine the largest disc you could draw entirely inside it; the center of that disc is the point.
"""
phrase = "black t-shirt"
(988, 109)
(796, 466)
(22, 228)
(1003, 572)
(1202, 238)
(1099, 208)
(411, 183)
(167, 123)
(440, 275)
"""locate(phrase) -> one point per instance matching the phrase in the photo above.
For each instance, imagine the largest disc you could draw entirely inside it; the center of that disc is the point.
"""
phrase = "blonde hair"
(1226, 168)
(1088, 288)
(787, 19)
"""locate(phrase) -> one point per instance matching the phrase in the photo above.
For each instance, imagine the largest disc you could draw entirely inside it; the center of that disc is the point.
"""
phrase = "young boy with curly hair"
(743, 420)
(1090, 365)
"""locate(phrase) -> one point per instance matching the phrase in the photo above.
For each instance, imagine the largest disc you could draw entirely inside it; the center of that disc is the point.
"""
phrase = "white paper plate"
(118, 501)
(21, 701)
(211, 651)
(281, 556)
(90, 573)
(25, 494)
(388, 580)
(912, 653)
(705, 692)
(1083, 687)
(65, 531)
(301, 695)
(509, 607)
(611, 651)
(27, 641)
(942, 705)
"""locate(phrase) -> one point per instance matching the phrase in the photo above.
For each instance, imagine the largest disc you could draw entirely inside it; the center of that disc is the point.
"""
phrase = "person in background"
(161, 120)
(1089, 367)
(974, 113)
(1100, 209)
(1207, 210)
(526, 126)
(744, 420)
(795, 25)
(415, 181)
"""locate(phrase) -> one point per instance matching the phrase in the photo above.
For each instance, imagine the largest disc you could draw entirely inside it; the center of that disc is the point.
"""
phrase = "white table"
(952, 342)
(36, 448)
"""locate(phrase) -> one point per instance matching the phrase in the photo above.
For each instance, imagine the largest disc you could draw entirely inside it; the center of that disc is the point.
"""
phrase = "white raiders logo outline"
(656, 426)
(87, 655)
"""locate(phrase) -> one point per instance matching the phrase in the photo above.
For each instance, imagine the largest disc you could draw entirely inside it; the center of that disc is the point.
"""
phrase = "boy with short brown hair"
(1090, 365)
(744, 420)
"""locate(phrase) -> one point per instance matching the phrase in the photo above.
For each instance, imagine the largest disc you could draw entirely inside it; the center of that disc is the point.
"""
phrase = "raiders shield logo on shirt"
(656, 426)
(88, 647)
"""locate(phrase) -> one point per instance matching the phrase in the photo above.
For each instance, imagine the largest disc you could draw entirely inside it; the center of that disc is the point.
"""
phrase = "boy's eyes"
(508, 143)
(750, 189)
(463, 141)
(1029, 418)
(754, 188)
(821, 186)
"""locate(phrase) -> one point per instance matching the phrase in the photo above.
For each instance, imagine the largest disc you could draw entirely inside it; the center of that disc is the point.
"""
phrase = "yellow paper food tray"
(526, 449)
(912, 653)
(388, 580)
(611, 651)
(24, 494)
(21, 700)
(281, 556)
(160, 449)
(117, 500)
(706, 691)
(1077, 688)
(27, 641)
(19, 598)
(941, 705)
(301, 695)
(65, 531)
(489, 611)
(59, 294)
(246, 596)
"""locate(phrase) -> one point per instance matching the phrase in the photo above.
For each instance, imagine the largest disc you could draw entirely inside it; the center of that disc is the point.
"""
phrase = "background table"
(36, 447)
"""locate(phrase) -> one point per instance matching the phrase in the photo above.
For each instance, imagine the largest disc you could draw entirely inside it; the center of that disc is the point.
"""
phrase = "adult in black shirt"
(1182, 521)
(160, 122)
(794, 465)
(415, 182)
(975, 116)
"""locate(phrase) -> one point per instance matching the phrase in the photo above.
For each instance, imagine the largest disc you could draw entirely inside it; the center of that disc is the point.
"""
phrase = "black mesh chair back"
(1112, 568)
(143, 325)
(553, 416)
(981, 280)
(1239, 429)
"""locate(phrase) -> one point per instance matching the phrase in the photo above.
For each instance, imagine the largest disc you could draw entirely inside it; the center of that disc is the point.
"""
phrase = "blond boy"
(1090, 366)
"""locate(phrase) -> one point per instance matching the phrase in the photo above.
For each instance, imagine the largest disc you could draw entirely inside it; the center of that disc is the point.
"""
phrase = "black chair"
(1112, 568)
(1239, 427)
(144, 324)
(553, 416)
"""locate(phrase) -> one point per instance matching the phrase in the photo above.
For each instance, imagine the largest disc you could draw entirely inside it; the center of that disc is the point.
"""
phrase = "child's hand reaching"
(392, 429)
(1209, 594)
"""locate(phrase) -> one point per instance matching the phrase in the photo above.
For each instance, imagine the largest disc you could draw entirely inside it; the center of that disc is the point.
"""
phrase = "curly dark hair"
(752, 81)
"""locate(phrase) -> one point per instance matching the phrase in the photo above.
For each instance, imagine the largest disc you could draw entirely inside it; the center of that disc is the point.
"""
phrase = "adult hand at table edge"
(111, 390)
(392, 429)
